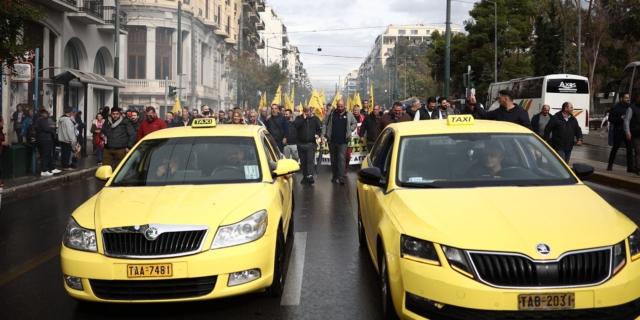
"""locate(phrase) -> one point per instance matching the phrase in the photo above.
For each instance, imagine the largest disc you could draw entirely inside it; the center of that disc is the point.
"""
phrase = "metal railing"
(71, 2)
(91, 7)
(109, 16)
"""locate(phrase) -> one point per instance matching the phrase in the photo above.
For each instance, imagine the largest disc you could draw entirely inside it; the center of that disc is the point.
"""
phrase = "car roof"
(224, 130)
(425, 127)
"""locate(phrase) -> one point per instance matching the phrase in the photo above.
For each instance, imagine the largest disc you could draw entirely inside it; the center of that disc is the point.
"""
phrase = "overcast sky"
(301, 16)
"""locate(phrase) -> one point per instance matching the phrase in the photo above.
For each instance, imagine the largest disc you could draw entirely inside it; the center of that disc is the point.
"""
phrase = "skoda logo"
(151, 233)
(543, 249)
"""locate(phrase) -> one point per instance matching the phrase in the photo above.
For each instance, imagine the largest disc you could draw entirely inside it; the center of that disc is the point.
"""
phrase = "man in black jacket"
(278, 127)
(428, 111)
(44, 143)
(632, 129)
(508, 111)
(368, 127)
(564, 127)
(119, 137)
(308, 128)
(540, 121)
(472, 107)
(616, 118)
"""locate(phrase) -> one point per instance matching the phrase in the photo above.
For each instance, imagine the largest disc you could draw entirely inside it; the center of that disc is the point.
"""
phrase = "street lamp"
(495, 61)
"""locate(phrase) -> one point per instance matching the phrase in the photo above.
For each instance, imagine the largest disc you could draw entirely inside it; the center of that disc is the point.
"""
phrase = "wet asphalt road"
(339, 281)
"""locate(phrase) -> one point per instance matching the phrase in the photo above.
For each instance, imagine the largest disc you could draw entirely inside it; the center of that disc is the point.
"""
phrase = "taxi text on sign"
(203, 123)
(460, 120)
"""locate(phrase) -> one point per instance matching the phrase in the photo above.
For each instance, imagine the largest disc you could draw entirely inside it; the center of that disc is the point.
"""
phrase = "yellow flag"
(316, 105)
(349, 103)
(293, 97)
(287, 103)
(263, 100)
(356, 100)
(322, 98)
(177, 109)
(335, 99)
(276, 99)
(371, 99)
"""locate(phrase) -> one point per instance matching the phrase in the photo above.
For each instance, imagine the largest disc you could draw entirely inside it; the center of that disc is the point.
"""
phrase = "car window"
(385, 161)
(378, 147)
(471, 160)
(274, 146)
(191, 160)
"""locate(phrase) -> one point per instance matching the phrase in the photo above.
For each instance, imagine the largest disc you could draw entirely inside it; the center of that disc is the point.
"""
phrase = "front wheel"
(361, 236)
(277, 286)
(387, 310)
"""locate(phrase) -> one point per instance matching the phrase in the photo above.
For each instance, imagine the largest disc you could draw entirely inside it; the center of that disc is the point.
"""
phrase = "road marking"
(293, 286)
(617, 191)
(28, 265)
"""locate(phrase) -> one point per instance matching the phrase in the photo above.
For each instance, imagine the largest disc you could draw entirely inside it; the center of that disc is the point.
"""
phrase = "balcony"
(255, 37)
(261, 45)
(260, 25)
(231, 41)
(60, 5)
(145, 86)
(206, 92)
(285, 37)
(223, 32)
(109, 17)
(260, 5)
(253, 17)
(89, 12)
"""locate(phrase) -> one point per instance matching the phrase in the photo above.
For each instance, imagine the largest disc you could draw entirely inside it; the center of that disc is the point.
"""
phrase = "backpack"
(32, 132)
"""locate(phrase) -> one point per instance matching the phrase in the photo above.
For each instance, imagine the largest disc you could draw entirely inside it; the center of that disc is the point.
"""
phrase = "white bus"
(532, 93)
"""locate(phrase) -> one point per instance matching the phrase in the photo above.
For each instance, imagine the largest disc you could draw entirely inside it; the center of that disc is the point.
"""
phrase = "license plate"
(546, 301)
(149, 270)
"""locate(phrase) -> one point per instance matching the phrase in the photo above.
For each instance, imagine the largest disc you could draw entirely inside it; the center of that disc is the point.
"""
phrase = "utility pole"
(240, 40)
(166, 92)
(447, 53)
(564, 48)
(194, 72)
(579, 37)
(395, 80)
(116, 58)
(179, 49)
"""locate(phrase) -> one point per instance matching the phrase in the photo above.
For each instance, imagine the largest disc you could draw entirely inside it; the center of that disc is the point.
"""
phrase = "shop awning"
(65, 75)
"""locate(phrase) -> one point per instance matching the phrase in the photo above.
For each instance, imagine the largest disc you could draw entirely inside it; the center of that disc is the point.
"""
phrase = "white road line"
(293, 286)
(617, 191)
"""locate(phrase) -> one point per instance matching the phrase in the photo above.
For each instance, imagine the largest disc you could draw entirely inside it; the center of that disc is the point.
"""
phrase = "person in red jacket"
(152, 124)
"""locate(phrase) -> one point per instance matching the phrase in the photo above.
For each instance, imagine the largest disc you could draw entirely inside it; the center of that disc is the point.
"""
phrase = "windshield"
(473, 160)
(191, 160)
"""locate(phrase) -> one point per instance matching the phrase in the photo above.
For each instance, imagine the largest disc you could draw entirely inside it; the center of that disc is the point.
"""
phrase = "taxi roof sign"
(203, 123)
(460, 120)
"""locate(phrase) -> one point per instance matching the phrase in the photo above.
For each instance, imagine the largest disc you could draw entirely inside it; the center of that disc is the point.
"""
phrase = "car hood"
(183, 205)
(513, 219)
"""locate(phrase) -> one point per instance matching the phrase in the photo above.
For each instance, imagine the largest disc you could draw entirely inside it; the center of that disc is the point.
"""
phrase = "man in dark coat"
(278, 127)
(508, 111)
(564, 127)
(118, 136)
(616, 118)
(368, 127)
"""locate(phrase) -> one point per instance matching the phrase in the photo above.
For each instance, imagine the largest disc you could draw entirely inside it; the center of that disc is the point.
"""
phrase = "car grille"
(166, 244)
(427, 309)
(152, 289)
(574, 269)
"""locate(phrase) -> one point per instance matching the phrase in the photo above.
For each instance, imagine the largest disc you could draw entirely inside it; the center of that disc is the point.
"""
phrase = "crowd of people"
(296, 131)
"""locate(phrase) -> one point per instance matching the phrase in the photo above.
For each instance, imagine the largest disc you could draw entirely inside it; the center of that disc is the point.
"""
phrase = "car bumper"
(423, 291)
(203, 276)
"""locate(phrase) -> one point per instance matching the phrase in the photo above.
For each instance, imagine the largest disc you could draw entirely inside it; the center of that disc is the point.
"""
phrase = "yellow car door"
(282, 184)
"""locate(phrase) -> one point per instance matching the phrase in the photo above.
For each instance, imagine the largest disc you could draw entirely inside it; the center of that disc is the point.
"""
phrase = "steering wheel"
(228, 168)
(509, 168)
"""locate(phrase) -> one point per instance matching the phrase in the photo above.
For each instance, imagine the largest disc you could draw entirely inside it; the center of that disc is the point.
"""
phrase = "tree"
(14, 16)
(546, 52)
(460, 58)
(255, 77)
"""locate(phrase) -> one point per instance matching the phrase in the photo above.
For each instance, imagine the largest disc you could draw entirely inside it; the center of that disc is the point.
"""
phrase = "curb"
(15, 193)
(613, 181)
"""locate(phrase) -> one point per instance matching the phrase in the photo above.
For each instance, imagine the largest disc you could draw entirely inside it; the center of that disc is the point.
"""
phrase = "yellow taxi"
(191, 213)
(468, 219)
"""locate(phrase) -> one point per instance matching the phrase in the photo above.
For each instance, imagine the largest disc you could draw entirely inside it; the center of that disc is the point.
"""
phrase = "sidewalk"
(619, 177)
(33, 182)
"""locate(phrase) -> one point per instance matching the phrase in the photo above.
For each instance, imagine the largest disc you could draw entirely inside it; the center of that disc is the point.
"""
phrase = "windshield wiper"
(417, 185)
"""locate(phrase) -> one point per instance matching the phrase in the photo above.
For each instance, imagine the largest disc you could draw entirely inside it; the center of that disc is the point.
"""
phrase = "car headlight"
(247, 230)
(634, 245)
(418, 250)
(79, 238)
(619, 256)
(458, 260)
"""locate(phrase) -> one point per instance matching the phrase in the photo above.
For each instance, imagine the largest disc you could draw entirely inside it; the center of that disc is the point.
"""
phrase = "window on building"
(136, 52)
(402, 31)
(428, 32)
(98, 65)
(70, 56)
(414, 31)
(163, 53)
(219, 16)
(206, 9)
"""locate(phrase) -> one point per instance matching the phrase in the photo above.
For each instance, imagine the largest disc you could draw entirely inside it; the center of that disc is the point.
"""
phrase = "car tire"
(387, 310)
(277, 286)
(362, 238)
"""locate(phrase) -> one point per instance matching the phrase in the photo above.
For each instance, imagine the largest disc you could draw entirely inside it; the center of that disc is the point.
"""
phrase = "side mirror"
(285, 166)
(583, 171)
(104, 173)
(371, 176)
